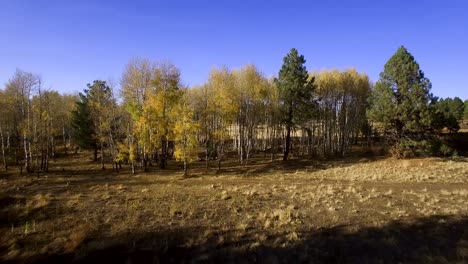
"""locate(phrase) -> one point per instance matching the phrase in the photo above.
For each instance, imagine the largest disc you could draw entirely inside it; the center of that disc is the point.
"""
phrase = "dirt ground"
(357, 210)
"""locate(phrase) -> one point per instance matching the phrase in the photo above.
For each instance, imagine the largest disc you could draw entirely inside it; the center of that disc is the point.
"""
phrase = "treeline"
(155, 117)
(32, 122)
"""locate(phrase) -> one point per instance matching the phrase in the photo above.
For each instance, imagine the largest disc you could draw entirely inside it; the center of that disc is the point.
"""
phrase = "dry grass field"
(357, 210)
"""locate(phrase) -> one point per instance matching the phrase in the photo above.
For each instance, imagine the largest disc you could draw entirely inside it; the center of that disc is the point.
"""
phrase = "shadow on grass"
(80, 168)
(438, 239)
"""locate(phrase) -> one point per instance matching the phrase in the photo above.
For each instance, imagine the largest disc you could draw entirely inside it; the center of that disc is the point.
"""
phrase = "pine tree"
(296, 93)
(465, 112)
(456, 107)
(447, 114)
(82, 124)
(402, 102)
(101, 105)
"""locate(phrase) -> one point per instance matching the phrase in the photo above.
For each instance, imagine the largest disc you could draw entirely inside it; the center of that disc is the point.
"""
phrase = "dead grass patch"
(272, 209)
(77, 237)
(39, 201)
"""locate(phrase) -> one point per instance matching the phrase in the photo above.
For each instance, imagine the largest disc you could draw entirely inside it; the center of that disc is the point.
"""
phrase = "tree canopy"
(402, 102)
(236, 113)
(296, 93)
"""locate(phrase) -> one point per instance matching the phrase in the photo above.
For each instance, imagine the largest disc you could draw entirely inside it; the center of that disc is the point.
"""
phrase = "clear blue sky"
(71, 43)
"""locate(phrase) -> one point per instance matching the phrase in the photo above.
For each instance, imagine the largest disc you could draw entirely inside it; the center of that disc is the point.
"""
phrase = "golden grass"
(272, 208)
(38, 201)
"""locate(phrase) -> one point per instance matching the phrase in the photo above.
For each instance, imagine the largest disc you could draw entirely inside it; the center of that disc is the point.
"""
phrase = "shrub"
(409, 148)
(445, 150)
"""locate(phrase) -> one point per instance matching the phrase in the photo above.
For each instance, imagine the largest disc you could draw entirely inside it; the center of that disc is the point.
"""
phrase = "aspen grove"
(239, 113)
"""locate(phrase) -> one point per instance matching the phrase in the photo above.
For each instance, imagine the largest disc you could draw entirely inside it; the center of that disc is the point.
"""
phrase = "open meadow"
(357, 210)
(233, 132)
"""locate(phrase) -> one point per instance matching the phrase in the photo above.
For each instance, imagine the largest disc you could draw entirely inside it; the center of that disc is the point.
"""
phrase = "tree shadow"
(459, 141)
(438, 239)
(78, 170)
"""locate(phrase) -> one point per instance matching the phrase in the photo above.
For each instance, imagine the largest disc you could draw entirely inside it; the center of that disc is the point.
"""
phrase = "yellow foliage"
(184, 130)
(122, 153)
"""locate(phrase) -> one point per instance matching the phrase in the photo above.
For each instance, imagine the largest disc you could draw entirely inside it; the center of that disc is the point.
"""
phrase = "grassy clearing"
(352, 210)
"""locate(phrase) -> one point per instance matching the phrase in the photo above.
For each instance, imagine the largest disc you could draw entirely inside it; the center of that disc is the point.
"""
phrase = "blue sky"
(71, 43)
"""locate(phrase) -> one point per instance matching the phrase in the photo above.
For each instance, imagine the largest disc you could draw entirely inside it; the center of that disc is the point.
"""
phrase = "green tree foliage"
(448, 114)
(101, 105)
(465, 112)
(94, 117)
(456, 107)
(83, 127)
(235, 111)
(402, 101)
(296, 93)
(105, 111)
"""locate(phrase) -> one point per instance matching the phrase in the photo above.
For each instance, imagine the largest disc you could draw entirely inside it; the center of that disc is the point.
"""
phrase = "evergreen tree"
(82, 124)
(447, 114)
(402, 102)
(465, 112)
(101, 105)
(296, 93)
(456, 107)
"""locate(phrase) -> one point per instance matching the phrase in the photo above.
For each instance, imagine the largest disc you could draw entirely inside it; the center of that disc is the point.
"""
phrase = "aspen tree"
(184, 131)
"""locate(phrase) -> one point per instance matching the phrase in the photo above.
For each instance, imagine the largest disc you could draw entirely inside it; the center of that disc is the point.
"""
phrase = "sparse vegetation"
(334, 196)
(269, 210)
(222, 143)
